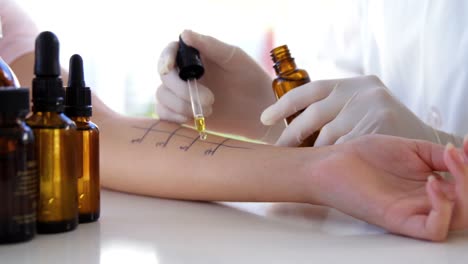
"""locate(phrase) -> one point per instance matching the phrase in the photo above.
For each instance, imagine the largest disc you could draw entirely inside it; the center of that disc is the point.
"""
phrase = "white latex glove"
(234, 89)
(345, 109)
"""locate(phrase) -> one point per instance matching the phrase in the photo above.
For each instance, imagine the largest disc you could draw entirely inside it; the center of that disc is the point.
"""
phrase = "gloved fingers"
(297, 99)
(352, 121)
(359, 118)
(210, 47)
(165, 113)
(180, 88)
(171, 101)
(167, 59)
(345, 138)
(310, 120)
(177, 105)
(335, 130)
(366, 125)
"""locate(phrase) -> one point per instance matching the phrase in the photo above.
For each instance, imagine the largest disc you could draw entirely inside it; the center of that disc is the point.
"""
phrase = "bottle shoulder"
(294, 75)
(20, 132)
(84, 123)
(50, 120)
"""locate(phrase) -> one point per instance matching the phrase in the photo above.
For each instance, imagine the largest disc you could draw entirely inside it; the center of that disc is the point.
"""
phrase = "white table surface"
(139, 230)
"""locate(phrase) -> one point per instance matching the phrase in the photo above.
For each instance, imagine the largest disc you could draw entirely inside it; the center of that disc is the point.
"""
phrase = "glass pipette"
(197, 110)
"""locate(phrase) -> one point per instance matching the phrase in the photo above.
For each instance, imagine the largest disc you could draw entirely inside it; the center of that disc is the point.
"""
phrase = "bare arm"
(381, 180)
(159, 158)
(364, 178)
(155, 157)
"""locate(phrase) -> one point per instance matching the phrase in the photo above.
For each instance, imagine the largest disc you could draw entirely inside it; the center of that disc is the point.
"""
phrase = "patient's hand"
(457, 163)
(385, 181)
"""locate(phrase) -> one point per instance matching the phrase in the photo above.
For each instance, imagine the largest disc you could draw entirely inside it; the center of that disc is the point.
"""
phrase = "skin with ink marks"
(259, 174)
(173, 133)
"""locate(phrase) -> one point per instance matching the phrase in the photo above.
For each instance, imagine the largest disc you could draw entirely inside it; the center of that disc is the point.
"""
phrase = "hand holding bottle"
(233, 91)
(345, 109)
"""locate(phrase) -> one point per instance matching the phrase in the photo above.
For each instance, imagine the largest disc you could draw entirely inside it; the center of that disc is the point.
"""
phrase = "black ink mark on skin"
(139, 140)
(211, 152)
(173, 133)
(159, 131)
(185, 148)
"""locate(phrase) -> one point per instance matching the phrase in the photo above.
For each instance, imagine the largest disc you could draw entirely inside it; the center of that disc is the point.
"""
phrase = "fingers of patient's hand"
(434, 223)
(167, 58)
(465, 147)
(457, 166)
(294, 101)
(456, 162)
(438, 221)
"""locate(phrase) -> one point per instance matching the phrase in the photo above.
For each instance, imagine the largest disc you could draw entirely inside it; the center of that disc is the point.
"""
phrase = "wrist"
(273, 174)
(313, 171)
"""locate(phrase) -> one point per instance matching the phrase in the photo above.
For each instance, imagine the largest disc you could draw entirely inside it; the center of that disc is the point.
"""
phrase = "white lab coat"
(419, 49)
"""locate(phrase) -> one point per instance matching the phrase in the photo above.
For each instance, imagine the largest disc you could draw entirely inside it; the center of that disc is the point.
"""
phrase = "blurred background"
(120, 41)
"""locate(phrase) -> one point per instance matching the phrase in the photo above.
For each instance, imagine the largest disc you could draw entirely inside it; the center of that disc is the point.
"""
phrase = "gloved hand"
(347, 108)
(233, 91)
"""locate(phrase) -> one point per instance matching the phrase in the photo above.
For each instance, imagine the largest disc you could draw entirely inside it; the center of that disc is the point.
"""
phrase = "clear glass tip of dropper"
(197, 109)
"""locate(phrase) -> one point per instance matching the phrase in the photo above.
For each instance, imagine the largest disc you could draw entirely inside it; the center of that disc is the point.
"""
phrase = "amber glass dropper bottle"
(55, 136)
(288, 78)
(78, 107)
(18, 174)
(7, 77)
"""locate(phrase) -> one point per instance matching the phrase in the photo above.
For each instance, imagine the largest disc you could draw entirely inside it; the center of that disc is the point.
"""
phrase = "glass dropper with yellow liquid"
(190, 70)
(197, 108)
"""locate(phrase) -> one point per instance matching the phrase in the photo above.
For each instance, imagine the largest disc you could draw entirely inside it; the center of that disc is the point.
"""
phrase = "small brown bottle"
(18, 174)
(55, 137)
(7, 77)
(78, 107)
(288, 78)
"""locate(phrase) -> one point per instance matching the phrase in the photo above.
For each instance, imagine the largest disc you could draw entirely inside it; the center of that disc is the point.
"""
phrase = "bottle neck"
(283, 62)
(47, 94)
(46, 114)
(81, 119)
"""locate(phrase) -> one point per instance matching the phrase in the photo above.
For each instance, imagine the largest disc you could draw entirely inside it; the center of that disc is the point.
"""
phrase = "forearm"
(155, 162)
(157, 158)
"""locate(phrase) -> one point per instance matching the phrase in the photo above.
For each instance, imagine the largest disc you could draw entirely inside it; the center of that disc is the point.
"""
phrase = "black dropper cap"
(14, 101)
(189, 62)
(78, 96)
(48, 92)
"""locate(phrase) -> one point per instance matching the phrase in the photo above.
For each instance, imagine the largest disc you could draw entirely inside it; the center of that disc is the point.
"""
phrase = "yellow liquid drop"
(201, 126)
